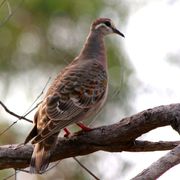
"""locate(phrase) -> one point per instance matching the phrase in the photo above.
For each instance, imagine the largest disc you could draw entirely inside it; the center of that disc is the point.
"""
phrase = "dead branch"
(113, 138)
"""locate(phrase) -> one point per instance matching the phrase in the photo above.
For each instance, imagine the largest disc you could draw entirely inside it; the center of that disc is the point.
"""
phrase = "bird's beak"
(118, 32)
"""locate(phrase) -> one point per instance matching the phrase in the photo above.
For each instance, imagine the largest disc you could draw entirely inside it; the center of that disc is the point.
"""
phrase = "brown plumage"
(77, 93)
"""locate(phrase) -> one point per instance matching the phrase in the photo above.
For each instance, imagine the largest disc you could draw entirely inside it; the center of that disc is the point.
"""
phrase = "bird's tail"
(40, 158)
(42, 153)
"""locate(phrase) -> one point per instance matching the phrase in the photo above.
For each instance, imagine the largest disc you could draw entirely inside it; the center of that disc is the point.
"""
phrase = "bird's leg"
(83, 127)
(67, 132)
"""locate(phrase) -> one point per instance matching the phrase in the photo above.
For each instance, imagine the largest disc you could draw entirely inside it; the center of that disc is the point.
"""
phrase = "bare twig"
(9, 7)
(15, 177)
(14, 114)
(85, 168)
(19, 117)
(30, 109)
(52, 167)
(8, 177)
(5, 130)
(27, 112)
(1, 4)
(11, 13)
(14, 174)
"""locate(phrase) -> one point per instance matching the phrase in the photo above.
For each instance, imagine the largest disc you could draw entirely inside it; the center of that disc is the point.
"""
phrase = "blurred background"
(40, 37)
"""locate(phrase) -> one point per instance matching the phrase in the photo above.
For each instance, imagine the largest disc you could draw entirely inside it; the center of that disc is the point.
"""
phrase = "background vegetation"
(37, 41)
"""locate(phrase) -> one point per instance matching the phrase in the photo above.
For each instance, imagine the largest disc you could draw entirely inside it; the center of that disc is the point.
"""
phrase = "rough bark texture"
(117, 137)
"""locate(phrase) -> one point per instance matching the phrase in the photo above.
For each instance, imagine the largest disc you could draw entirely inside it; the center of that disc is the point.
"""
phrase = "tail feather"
(40, 159)
(41, 155)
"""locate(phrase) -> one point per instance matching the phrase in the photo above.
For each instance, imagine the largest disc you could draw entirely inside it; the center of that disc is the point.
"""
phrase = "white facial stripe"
(101, 24)
(112, 24)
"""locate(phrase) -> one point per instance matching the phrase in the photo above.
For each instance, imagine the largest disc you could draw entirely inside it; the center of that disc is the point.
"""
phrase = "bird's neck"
(94, 48)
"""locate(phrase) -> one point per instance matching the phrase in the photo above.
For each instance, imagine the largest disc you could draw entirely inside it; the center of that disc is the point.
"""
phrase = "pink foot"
(67, 132)
(83, 127)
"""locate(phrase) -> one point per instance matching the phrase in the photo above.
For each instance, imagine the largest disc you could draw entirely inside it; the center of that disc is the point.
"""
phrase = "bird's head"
(105, 26)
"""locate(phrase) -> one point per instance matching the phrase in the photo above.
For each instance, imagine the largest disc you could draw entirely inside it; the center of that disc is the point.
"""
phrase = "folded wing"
(80, 88)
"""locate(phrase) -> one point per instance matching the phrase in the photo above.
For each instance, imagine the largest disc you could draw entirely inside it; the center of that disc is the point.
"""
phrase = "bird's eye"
(107, 23)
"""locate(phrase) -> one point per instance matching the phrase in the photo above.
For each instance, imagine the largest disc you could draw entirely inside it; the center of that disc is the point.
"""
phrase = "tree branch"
(12, 156)
(161, 166)
(113, 138)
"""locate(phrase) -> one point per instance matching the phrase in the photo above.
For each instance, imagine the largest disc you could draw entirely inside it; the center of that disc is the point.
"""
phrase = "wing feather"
(78, 89)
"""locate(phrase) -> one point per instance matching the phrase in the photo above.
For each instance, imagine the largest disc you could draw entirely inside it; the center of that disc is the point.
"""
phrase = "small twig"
(14, 114)
(9, 176)
(32, 109)
(15, 174)
(26, 171)
(51, 167)
(19, 117)
(27, 112)
(41, 93)
(11, 13)
(86, 169)
(5, 130)
(9, 7)
(2, 3)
